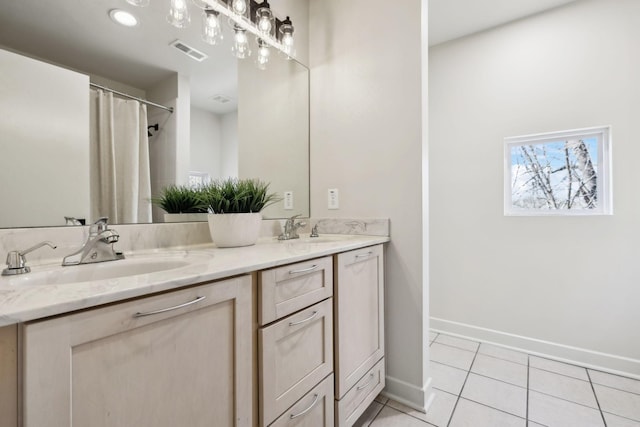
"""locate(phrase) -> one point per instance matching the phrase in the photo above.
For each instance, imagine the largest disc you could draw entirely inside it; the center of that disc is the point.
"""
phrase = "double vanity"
(281, 333)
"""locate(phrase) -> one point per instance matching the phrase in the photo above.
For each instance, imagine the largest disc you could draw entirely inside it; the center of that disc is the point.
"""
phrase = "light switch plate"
(333, 201)
(288, 200)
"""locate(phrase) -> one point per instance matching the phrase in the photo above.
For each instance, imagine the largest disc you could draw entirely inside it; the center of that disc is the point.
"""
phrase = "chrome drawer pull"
(304, 270)
(364, 255)
(365, 385)
(315, 400)
(164, 310)
(315, 313)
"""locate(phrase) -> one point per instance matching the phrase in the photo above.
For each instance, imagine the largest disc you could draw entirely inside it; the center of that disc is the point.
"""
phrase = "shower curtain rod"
(144, 101)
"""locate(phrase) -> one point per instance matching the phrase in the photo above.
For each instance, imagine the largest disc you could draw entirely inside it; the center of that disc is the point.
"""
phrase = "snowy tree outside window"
(560, 173)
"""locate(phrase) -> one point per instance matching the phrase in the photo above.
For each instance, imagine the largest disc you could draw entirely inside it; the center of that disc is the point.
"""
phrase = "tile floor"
(481, 385)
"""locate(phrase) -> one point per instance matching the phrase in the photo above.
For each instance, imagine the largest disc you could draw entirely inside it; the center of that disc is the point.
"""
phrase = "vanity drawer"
(296, 353)
(315, 409)
(285, 290)
(358, 399)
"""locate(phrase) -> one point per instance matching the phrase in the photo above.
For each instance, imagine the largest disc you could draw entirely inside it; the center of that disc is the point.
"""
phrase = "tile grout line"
(499, 380)
(558, 373)
(621, 416)
(382, 406)
(409, 415)
(612, 388)
(453, 411)
(596, 397)
(453, 346)
(566, 400)
(527, 412)
(507, 360)
(491, 407)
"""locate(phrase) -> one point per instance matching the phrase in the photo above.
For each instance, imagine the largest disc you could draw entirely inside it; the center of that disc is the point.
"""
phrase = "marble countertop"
(22, 301)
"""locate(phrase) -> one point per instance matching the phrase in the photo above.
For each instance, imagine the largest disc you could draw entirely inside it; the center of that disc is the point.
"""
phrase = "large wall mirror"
(230, 117)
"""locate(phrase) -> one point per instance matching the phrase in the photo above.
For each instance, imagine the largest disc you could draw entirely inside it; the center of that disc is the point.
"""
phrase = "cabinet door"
(296, 353)
(359, 315)
(189, 364)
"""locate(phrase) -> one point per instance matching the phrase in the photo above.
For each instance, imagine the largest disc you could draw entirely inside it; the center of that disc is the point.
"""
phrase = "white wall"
(367, 122)
(229, 124)
(169, 147)
(206, 142)
(273, 112)
(44, 123)
(573, 281)
(214, 143)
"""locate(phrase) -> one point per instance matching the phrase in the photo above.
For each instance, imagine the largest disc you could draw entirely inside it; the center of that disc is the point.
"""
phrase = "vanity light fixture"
(256, 19)
(211, 27)
(123, 17)
(178, 14)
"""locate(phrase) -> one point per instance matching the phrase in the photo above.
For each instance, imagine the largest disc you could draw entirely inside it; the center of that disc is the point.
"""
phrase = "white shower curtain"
(120, 177)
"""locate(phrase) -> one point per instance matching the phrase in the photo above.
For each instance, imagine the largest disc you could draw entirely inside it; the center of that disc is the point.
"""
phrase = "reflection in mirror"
(45, 129)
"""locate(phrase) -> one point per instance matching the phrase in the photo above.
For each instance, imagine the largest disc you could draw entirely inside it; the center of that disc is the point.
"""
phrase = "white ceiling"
(452, 19)
(79, 34)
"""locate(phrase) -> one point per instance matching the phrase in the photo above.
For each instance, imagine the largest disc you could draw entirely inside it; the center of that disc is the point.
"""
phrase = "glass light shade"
(263, 55)
(178, 14)
(211, 27)
(239, 6)
(264, 18)
(240, 47)
(286, 37)
(139, 3)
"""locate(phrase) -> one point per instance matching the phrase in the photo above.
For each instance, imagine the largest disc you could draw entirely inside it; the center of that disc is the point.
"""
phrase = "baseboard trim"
(408, 394)
(605, 362)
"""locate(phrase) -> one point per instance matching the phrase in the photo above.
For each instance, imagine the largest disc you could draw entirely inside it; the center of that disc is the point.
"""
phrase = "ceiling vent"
(220, 99)
(189, 51)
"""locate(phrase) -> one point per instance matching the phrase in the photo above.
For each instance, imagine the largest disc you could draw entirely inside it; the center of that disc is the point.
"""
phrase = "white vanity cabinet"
(295, 342)
(358, 331)
(182, 358)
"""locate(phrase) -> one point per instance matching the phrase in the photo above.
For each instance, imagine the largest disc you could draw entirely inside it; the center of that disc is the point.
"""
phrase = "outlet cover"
(288, 200)
(333, 201)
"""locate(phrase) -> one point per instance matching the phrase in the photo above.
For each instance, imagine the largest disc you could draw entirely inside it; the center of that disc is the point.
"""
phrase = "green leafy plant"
(236, 196)
(180, 199)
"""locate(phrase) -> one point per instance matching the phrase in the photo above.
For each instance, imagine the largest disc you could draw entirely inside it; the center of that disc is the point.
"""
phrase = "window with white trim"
(559, 173)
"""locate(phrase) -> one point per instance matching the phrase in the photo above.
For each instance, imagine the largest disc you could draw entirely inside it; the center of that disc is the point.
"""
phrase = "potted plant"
(181, 203)
(234, 207)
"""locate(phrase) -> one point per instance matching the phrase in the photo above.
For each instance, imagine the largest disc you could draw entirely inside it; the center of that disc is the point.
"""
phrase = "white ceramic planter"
(185, 217)
(232, 230)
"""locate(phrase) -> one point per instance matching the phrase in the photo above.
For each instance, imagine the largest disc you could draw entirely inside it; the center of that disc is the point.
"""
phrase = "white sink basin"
(131, 266)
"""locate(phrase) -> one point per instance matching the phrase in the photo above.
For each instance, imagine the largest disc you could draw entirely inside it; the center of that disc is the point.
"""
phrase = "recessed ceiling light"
(123, 17)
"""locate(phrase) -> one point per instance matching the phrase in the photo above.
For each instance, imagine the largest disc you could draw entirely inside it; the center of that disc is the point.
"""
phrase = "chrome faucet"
(16, 260)
(291, 229)
(98, 247)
